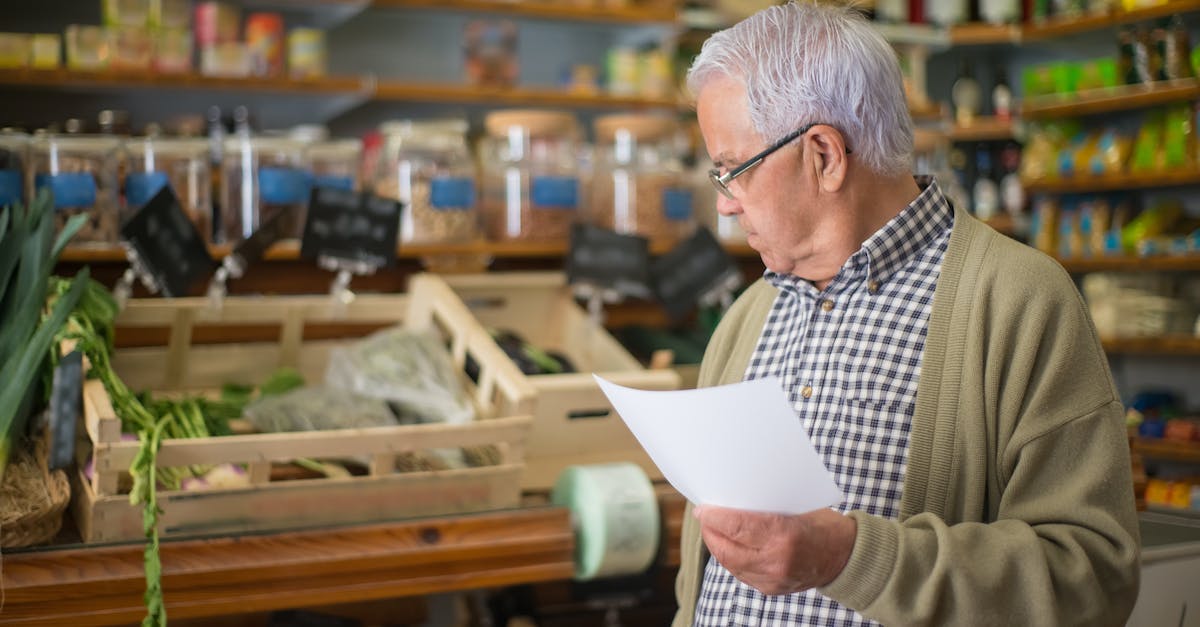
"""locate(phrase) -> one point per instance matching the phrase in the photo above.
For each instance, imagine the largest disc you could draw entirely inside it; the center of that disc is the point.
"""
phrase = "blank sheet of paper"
(740, 446)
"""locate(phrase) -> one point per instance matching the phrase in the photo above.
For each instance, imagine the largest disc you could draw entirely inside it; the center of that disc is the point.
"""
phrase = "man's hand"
(778, 554)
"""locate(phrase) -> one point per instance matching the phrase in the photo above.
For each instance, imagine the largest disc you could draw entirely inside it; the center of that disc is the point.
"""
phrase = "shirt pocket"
(880, 377)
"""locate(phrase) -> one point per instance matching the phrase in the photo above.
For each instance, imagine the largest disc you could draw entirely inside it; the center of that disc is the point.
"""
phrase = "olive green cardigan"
(1017, 506)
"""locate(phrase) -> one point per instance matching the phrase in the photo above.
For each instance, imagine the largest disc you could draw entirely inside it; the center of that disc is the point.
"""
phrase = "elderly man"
(949, 377)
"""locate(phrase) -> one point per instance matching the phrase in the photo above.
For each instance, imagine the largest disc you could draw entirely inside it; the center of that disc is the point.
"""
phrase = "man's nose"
(728, 206)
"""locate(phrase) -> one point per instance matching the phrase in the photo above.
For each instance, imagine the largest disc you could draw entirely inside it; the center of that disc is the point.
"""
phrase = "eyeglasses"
(721, 181)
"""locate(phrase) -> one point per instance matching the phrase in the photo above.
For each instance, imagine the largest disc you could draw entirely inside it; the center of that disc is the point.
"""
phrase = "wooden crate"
(573, 423)
(301, 332)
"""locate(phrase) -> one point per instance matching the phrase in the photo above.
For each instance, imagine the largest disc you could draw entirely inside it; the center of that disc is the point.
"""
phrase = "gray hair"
(805, 62)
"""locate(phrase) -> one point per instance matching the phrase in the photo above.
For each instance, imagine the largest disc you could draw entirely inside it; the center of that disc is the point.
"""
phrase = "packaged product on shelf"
(335, 163)
(622, 71)
(1070, 238)
(306, 53)
(14, 50)
(172, 14)
(490, 48)
(14, 155)
(88, 47)
(1150, 223)
(427, 166)
(265, 42)
(216, 23)
(1038, 80)
(45, 51)
(173, 51)
(263, 176)
(1149, 154)
(1097, 74)
(126, 13)
(1179, 140)
(132, 48)
(531, 175)
(1174, 48)
(230, 60)
(180, 163)
(654, 73)
(1139, 60)
(639, 186)
(1043, 230)
(81, 172)
(946, 12)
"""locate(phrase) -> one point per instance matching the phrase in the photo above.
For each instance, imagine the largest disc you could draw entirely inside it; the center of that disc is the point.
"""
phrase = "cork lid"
(643, 127)
(536, 123)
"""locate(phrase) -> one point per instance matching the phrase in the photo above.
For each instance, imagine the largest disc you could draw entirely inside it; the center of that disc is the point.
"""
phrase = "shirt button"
(873, 286)
(806, 392)
(827, 305)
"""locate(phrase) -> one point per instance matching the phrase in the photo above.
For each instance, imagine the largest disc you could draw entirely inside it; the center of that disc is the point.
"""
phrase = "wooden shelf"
(1168, 450)
(637, 13)
(63, 78)
(1058, 27)
(290, 251)
(983, 34)
(1112, 99)
(1088, 184)
(363, 86)
(1181, 263)
(1171, 345)
(467, 94)
(983, 129)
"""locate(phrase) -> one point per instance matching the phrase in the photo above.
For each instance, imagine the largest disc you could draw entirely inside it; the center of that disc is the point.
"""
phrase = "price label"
(609, 260)
(66, 393)
(251, 249)
(167, 243)
(692, 269)
(351, 226)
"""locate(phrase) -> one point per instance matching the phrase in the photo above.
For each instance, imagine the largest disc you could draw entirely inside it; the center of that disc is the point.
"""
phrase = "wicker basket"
(35, 499)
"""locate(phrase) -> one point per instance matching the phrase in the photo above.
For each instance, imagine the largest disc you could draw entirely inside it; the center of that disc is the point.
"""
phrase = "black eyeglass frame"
(721, 181)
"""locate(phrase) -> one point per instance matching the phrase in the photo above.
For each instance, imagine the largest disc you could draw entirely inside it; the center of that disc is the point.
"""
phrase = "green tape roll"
(615, 515)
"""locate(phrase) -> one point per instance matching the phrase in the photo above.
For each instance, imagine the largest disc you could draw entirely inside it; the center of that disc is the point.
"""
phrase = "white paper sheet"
(739, 446)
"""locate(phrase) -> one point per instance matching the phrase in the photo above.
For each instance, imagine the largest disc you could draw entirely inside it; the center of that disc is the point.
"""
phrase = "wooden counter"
(102, 585)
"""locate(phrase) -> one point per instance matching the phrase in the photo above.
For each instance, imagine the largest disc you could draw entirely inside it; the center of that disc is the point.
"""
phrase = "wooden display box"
(574, 422)
(301, 332)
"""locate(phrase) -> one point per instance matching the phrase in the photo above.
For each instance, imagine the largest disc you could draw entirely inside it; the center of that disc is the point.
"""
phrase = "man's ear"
(829, 158)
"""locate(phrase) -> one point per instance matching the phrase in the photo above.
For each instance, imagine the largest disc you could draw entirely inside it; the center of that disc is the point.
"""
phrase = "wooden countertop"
(102, 585)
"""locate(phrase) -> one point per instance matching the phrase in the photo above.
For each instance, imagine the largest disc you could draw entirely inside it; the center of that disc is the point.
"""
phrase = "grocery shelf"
(913, 34)
(1178, 263)
(1058, 27)
(1107, 100)
(1115, 182)
(1167, 449)
(983, 129)
(660, 11)
(108, 79)
(984, 34)
(1168, 345)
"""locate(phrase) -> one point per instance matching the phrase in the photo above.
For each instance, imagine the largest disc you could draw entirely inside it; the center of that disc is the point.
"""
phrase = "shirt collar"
(890, 248)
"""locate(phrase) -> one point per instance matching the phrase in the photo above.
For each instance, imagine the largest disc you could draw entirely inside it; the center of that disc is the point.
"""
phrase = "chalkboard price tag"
(606, 259)
(351, 226)
(66, 392)
(693, 268)
(167, 244)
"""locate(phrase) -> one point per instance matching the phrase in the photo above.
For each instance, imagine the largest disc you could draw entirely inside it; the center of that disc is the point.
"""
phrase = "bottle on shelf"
(1012, 192)
(1000, 11)
(216, 145)
(965, 95)
(1002, 97)
(985, 196)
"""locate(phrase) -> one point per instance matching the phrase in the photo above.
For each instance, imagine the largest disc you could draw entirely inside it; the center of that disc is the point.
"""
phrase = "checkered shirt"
(849, 358)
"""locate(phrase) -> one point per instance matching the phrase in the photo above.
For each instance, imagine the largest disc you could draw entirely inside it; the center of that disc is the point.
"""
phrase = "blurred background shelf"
(1170, 345)
(1185, 263)
(1118, 182)
(1168, 449)
(1112, 99)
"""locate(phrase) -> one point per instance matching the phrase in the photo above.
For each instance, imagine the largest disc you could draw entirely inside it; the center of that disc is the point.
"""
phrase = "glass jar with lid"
(263, 176)
(14, 156)
(181, 163)
(532, 188)
(426, 165)
(640, 186)
(81, 172)
(335, 163)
